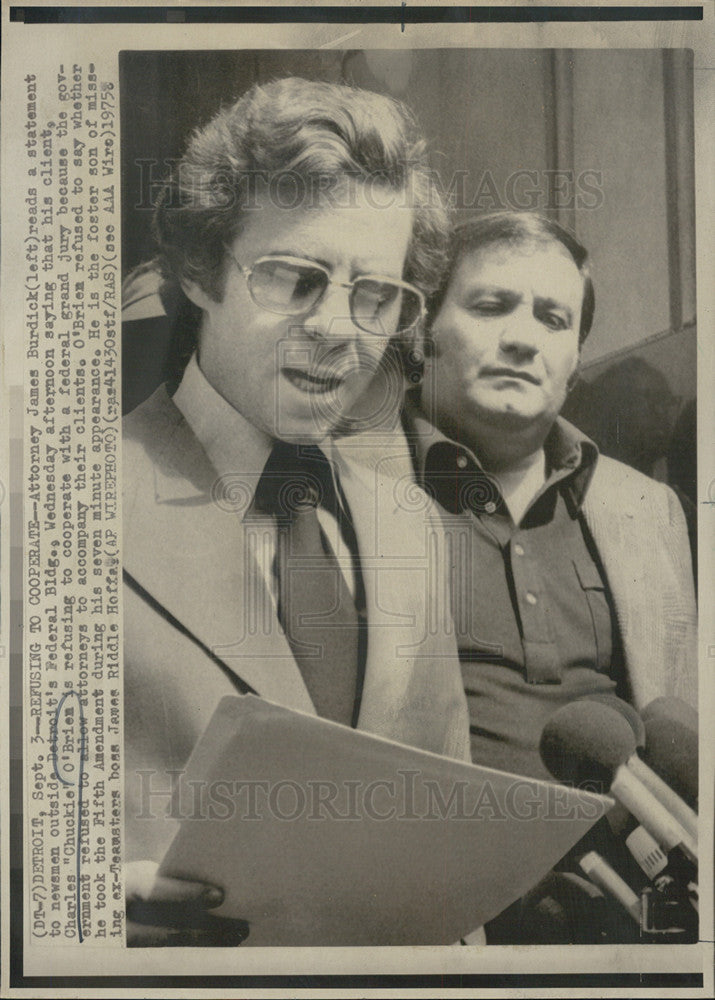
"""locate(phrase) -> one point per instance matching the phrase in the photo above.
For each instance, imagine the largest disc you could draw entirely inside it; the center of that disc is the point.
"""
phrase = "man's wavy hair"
(513, 229)
(294, 138)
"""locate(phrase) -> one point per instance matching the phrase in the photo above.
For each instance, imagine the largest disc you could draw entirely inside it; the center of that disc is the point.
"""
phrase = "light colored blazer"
(200, 624)
(639, 528)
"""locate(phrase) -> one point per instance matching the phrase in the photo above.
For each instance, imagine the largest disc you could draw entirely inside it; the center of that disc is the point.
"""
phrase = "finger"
(168, 913)
(144, 883)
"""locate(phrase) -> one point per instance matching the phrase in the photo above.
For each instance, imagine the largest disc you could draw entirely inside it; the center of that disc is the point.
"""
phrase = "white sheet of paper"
(324, 835)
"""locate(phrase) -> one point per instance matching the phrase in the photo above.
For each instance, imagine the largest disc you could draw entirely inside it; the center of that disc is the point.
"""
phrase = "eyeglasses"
(290, 286)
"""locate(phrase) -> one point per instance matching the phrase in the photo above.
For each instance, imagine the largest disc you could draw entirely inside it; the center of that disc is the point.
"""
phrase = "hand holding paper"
(169, 912)
(323, 835)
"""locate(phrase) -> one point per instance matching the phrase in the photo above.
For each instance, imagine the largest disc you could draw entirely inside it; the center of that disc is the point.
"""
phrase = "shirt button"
(519, 549)
(531, 598)
(462, 462)
(490, 506)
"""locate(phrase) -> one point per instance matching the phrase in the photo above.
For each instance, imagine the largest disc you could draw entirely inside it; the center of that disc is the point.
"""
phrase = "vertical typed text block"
(72, 718)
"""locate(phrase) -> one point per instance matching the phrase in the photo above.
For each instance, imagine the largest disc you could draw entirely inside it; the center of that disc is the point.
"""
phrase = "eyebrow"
(300, 255)
(554, 304)
(490, 290)
(508, 293)
(355, 270)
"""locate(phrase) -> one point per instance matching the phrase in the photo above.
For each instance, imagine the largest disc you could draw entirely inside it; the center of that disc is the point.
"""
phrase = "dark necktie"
(315, 606)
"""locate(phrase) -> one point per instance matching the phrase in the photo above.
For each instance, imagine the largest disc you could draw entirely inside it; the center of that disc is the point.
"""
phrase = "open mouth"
(511, 373)
(312, 382)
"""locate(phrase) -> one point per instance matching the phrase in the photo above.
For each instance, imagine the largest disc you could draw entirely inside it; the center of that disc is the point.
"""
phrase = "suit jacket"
(639, 528)
(640, 532)
(199, 622)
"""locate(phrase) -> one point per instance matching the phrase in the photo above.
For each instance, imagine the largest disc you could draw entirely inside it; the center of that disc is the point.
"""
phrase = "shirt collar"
(237, 450)
(570, 454)
(422, 435)
(232, 443)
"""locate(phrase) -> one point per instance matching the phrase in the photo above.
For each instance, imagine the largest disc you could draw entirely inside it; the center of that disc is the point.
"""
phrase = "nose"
(520, 333)
(331, 317)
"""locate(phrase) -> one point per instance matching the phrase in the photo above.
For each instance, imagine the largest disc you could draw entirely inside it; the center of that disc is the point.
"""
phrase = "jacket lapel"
(197, 559)
(412, 688)
(654, 600)
(180, 546)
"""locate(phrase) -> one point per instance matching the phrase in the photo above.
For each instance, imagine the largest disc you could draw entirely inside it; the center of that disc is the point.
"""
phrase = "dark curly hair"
(514, 228)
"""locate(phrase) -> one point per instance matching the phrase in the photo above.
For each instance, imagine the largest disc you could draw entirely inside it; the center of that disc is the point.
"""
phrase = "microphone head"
(584, 742)
(671, 748)
(627, 711)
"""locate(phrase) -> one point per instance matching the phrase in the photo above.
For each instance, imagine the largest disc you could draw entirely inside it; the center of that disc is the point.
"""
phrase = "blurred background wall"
(602, 140)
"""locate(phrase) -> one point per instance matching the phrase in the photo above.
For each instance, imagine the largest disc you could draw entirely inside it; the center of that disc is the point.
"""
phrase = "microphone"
(658, 912)
(592, 741)
(668, 744)
(672, 725)
(597, 739)
(672, 745)
(627, 711)
(607, 879)
(619, 819)
(672, 752)
(672, 748)
(641, 845)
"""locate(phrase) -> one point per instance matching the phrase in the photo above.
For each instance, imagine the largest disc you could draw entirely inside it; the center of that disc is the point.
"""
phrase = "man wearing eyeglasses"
(298, 225)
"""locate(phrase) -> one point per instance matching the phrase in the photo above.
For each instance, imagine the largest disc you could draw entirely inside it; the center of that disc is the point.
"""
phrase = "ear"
(196, 294)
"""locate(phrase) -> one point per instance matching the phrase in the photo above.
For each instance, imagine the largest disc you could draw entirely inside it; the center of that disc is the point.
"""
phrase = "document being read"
(324, 835)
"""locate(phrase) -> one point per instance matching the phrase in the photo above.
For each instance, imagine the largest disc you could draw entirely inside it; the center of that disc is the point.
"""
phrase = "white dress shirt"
(238, 452)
